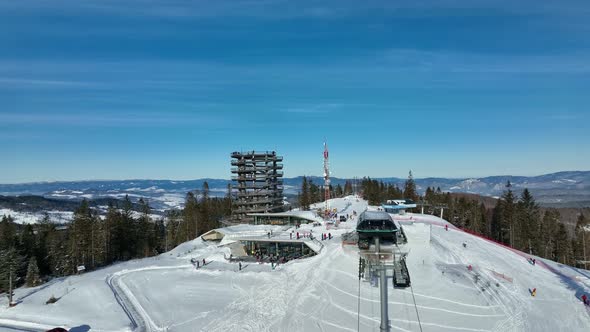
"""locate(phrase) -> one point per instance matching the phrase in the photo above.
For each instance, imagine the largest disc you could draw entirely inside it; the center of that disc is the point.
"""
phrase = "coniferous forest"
(31, 253)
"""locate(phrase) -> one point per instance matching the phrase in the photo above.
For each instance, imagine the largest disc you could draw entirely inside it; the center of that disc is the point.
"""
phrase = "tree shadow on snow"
(81, 328)
(42, 287)
(569, 282)
(580, 271)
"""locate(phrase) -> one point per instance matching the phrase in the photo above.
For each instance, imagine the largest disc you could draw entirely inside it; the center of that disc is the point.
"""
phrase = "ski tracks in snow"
(509, 301)
(140, 319)
(255, 307)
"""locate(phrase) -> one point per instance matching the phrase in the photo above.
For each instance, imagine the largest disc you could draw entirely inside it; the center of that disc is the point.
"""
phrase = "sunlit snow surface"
(166, 293)
(32, 218)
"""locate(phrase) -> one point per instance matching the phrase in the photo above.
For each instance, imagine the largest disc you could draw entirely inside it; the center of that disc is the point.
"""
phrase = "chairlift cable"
(416, 307)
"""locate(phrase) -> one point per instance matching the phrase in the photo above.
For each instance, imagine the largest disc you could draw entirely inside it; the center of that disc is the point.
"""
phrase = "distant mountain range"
(562, 189)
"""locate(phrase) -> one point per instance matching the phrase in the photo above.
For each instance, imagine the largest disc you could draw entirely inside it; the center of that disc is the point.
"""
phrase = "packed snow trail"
(14, 325)
(140, 319)
(524, 313)
(137, 321)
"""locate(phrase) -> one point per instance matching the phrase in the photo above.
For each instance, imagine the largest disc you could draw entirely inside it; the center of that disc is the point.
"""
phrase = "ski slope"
(166, 293)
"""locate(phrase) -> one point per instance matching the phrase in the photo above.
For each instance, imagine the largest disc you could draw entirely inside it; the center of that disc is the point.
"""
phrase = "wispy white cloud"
(463, 62)
(327, 108)
(318, 109)
(185, 82)
(280, 9)
(111, 119)
(564, 116)
(28, 82)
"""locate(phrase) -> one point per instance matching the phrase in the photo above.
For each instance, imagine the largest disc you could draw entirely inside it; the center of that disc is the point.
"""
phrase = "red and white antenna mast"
(326, 180)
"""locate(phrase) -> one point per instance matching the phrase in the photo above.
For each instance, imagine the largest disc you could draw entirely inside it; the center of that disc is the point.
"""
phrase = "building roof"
(397, 207)
(308, 215)
(375, 215)
(376, 222)
(398, 204)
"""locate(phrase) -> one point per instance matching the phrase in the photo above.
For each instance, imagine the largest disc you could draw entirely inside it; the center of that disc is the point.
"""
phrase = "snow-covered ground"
(59, 217)
(32, 218)
(166, 293)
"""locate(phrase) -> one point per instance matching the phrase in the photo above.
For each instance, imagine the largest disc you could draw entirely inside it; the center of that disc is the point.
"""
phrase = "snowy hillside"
(167, 293)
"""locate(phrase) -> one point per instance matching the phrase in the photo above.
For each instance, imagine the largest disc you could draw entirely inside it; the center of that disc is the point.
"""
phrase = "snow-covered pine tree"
(304, 195)
(32, 279)
(507, 224)
(190, 223)
(7, 233)
(339, 191)
(11, 270)
(528, 222)
(581, 250)
(410, 188)
(563, 250)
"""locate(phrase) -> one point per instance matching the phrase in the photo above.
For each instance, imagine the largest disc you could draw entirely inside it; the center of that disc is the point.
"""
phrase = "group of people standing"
(197, 263)
(299, 235)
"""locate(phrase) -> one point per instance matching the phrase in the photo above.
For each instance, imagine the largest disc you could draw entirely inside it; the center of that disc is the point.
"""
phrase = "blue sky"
(104, 89)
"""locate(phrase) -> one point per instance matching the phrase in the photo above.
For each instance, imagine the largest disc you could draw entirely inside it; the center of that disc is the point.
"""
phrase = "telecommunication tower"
(326, 180)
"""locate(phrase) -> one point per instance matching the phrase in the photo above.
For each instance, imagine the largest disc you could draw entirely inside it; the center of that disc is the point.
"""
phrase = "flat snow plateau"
(166, 293)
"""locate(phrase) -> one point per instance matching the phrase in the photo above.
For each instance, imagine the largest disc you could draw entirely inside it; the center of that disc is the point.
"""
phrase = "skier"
(464, 245)
(469, 267)
(197, 264)
(240, 265)
(585, 299)
(329, 236)
(297, 235)
(203, 261)
(291, 236)
(534, 292)
(447, 228)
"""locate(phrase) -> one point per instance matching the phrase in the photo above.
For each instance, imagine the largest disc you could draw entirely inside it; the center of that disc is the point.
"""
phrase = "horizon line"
(343, 178)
